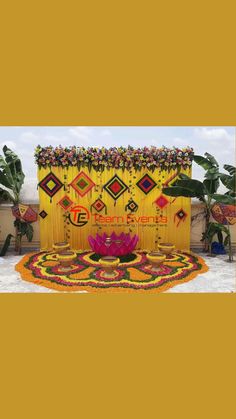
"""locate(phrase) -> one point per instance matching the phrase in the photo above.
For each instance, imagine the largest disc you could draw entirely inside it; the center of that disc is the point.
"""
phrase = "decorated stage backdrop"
(88, 191)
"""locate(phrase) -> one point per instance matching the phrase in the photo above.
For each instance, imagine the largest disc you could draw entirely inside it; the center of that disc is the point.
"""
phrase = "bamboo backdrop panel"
(54, 228)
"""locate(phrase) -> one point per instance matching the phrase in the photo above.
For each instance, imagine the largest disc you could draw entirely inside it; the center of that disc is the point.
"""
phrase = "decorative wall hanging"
(99, 205)
(50, 184)
(161, 201)
(180, 216)
(43, 214)
(25, 213)
(131, 206)
(115, 187)
(224, 214)
(82, 184)
(146, 184)
(170, 179)
(65, 202)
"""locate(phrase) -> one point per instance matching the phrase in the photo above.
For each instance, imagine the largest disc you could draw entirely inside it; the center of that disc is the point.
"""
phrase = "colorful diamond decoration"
(115, 187)
(146, 184)
(98, 205)
(50, 184)
(24, 212)
(82, 184)
(161, 201)
(132, 206)
(180, 215)
(43, 214)
(65, 202)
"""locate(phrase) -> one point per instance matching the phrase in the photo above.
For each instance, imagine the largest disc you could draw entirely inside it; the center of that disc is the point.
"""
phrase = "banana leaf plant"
(217, 229)
(6, 244)
(205, 191)
(11, 181)
(229, 181)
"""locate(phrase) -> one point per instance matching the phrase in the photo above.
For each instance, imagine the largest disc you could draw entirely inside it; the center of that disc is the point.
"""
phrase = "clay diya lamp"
(156, 259)
(109, 264)
(66, 258)
(108, 241)
(166, 248)
(60, 247)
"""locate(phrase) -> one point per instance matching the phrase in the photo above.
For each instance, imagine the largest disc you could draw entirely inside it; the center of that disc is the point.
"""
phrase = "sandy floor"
(219, 278)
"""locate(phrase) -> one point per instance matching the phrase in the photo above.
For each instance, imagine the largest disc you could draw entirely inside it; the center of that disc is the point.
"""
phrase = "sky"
(218, 141)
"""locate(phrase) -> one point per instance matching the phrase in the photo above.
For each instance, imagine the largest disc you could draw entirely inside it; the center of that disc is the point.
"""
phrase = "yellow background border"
(117, 63)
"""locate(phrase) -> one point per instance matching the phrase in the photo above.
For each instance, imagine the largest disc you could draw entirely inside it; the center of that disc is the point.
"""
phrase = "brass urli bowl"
(166, 248)
(66, 258)
(109, 264)
(60, 247)
(155, 259)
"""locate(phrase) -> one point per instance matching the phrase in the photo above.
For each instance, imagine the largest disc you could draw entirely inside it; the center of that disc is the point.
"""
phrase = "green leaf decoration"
(220, 237)
(224, 199)
(225, 179)
(11, 174)
(226, 241)
(29, 232)
(203, 162)
(215, 228)
(211, 185)
(5, 196)
(194, 185)
(179, 191)
(6, 245)
(230, 169)
(25, 229)
(211, 159)
(183, 176)
(228, 181)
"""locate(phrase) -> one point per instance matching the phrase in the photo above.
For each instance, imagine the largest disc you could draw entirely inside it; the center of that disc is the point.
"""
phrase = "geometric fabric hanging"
(65, 202)
(180, 216)
(224, 214)
(161, 201)
(115, 187)
(25, 213)
(98, 205)
(50, 184)
(146, 184)
(82, 184)
(132, 206)
(43, 214)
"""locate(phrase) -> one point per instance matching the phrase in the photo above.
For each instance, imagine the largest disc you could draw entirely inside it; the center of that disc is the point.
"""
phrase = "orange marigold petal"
(138, 275)
(82, 275)
(49, 263)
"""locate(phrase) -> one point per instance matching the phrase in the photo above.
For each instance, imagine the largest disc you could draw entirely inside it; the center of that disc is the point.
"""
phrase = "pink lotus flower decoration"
(114, 245)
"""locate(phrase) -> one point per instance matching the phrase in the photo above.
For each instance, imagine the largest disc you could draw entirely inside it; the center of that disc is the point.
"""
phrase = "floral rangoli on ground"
(134, 274)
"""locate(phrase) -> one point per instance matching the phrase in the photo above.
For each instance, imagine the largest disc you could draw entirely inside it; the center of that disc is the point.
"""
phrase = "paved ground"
(221, 277)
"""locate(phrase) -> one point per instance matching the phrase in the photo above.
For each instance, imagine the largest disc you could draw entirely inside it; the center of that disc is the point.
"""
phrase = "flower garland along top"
(116, 157)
